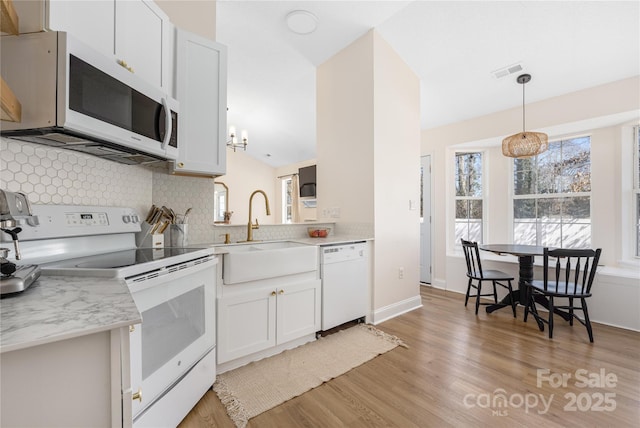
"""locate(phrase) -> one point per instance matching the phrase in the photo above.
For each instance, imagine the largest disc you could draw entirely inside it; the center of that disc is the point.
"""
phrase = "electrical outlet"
(400, 273)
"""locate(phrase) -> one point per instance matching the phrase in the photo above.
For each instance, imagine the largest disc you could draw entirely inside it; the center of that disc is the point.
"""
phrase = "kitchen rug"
(257, 387)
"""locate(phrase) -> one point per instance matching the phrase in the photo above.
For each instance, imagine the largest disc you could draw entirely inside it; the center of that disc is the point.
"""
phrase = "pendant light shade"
(524, 144)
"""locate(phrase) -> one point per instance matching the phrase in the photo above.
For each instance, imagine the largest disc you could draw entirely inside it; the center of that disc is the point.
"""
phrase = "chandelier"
(524, 144)
(233, 141)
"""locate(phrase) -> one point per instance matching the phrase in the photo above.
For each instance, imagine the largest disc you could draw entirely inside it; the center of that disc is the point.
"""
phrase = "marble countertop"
(63, 307)
(56, 308)
(329, 240)
(332, 240)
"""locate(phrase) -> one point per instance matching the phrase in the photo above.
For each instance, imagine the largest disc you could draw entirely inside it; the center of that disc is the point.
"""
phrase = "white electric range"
(172, 354)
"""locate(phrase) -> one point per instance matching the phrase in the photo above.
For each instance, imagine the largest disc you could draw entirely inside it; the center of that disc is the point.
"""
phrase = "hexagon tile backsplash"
(52, 176)
(180, 193)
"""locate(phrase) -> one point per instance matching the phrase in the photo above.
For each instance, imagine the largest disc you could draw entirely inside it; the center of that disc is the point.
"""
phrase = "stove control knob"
(126, 219)
(135, 219)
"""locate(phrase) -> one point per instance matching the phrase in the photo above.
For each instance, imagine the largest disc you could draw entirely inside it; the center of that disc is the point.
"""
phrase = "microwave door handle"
(168, 123)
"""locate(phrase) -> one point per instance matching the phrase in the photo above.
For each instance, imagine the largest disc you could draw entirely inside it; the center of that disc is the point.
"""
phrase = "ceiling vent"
(507, 71)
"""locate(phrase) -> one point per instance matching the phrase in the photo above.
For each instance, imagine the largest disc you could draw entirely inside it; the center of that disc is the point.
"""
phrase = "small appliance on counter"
(15, 210)
(14, 278)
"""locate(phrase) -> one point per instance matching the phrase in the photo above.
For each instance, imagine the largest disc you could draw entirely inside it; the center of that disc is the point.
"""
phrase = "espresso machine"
(15, 211)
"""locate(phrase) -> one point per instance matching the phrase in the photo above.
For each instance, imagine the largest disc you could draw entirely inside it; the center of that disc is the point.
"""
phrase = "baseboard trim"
(439, 283)
(393, 310)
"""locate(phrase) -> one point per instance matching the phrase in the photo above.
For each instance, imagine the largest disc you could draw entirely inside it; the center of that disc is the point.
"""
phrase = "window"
(286, 200)
(552, 196)
(636, 185)
(469, 203)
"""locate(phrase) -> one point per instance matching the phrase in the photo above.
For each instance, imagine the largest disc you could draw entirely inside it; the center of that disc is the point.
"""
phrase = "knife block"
(145, 238)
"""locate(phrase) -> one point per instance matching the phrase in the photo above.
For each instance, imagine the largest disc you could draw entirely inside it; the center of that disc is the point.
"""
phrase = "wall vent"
(507, 71)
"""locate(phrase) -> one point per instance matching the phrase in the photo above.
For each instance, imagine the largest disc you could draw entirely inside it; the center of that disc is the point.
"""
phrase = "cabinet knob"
(281, 291)
(137, 395)
(180, 164)
(132, 328)
(273, 293)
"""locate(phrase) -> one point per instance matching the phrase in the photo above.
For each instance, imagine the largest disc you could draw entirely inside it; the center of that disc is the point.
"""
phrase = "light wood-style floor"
(463, 370)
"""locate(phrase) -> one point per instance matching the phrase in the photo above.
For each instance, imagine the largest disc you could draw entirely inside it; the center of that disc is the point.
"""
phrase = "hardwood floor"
(461, 371)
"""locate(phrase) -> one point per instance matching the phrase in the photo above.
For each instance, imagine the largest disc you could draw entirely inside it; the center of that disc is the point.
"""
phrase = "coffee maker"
(15, 211)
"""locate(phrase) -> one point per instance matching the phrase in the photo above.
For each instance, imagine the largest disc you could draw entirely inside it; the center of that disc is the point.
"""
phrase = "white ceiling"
(453, 46)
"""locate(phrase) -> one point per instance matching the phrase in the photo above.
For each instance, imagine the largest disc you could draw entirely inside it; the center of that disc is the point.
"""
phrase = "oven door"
(177, 330)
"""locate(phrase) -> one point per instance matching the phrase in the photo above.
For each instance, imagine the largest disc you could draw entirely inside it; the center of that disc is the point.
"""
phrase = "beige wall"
(396, 176)
(197, 16)
(344, 105)
(245, 175)
(368, 146)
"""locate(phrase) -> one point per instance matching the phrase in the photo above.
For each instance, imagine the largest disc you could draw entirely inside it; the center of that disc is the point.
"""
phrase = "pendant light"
(524, 144)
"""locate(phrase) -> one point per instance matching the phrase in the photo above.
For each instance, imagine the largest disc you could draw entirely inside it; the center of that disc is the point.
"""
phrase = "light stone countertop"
(329, 240)
(56, 308)
(332, 240)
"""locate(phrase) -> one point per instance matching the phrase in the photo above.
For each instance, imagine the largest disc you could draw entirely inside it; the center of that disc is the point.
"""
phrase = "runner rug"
(257, 387)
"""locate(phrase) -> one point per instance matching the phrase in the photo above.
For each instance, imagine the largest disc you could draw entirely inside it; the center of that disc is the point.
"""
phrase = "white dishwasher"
(345, 291)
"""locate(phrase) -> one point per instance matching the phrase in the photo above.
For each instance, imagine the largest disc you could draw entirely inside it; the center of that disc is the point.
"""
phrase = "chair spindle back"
(581, 262)
(472, 257)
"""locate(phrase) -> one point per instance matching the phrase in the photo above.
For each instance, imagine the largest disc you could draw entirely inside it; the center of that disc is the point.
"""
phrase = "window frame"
(286, 184)
(635, 203)
(547, 196)
(482, 198)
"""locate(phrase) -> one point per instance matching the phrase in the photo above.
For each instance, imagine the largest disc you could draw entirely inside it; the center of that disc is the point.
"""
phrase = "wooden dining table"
(526, 256)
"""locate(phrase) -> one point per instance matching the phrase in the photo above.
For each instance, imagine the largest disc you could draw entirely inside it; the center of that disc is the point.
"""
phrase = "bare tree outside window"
(469, 196)
(552, 196)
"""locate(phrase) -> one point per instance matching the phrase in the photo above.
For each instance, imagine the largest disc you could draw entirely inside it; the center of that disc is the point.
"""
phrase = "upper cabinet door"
(201, 89)
(90, 21)
(139, 33)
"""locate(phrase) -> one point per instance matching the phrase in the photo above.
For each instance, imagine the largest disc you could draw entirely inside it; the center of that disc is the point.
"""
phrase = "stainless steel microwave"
(76, 98)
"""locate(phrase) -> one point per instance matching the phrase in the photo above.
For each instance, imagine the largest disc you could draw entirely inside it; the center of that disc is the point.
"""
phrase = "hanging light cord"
(523, 116)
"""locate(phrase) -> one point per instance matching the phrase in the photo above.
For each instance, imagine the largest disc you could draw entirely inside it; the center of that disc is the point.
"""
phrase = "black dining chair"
(476, 273)
(567, 273)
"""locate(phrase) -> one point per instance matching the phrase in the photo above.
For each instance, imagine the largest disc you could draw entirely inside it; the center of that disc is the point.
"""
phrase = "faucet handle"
(255, 226)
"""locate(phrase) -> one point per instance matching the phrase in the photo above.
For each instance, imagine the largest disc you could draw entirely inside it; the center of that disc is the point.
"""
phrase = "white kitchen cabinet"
(246, 323)
(201, 89)
(259, 319)
(75, 382)
(142, 33)
(137, 33)
(298, 311)
(91, 22)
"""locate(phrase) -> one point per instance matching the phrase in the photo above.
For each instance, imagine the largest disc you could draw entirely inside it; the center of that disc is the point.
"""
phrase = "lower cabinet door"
(247, 324)
(298, 310)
